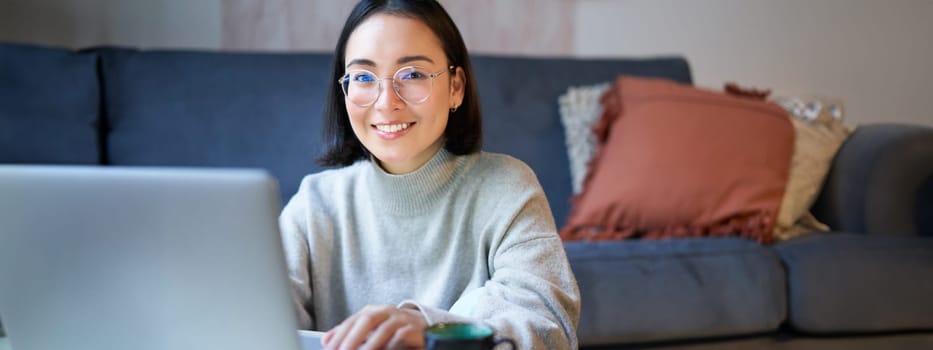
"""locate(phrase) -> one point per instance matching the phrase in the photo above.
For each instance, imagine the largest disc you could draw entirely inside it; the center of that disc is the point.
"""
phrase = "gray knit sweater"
(463, 238)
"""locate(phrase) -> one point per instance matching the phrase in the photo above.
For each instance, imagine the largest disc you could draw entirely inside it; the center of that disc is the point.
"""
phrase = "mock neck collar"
(417, 191)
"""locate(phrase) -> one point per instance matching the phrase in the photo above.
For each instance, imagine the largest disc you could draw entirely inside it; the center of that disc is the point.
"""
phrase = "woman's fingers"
(381, 336)
(353, 331)
(410, 334)
(407, 337)
(378, 327)
(335, 336)
(359, 331)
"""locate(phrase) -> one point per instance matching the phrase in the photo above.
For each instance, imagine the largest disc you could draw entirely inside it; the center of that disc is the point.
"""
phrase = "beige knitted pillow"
(819, 132)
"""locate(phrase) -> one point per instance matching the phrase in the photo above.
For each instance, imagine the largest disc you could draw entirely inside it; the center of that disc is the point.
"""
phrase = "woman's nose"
(388, 98)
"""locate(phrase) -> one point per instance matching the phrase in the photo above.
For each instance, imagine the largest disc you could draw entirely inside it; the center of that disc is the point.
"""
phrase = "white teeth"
(393, 127)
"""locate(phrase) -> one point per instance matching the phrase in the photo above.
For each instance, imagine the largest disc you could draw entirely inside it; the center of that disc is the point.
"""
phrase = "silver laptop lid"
(142, 258)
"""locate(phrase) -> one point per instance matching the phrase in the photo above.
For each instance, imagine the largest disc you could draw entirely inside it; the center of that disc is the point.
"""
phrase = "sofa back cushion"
(49, 102)
(264, 110)
(520, 112)
(168, 108)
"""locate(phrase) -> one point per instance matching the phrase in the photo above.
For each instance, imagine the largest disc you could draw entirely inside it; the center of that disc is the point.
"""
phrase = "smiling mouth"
(393, 127)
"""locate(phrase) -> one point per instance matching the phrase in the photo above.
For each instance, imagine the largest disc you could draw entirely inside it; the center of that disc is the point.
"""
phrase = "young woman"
(418, 226)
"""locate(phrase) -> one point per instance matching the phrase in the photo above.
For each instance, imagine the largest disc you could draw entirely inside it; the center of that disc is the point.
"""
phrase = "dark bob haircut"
(464, 127)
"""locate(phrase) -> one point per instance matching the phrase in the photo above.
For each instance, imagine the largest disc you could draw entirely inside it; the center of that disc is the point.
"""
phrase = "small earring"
(454, 109)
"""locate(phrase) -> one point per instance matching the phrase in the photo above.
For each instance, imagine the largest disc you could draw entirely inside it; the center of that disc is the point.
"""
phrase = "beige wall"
(528, 27)
(873, 54)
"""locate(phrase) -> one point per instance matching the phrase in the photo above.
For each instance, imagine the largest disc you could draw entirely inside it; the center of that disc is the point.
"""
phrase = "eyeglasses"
(412, 84)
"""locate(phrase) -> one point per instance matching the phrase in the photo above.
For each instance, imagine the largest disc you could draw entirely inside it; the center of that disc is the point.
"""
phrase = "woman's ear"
(457, 87)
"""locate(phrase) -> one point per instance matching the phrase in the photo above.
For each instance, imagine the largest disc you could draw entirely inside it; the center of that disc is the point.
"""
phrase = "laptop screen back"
(142, 258)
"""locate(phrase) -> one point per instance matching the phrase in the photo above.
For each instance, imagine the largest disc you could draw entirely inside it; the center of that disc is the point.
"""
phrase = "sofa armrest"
(881, 182)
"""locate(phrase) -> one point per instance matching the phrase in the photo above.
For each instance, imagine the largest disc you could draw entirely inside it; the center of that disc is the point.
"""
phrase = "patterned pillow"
(819, 132)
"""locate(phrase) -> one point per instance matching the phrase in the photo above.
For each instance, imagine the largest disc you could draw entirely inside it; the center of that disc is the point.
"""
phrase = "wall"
(139, 23)
(872, 54)
(875, 55)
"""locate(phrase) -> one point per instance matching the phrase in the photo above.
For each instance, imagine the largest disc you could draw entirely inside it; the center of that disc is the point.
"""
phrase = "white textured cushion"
(579, 109)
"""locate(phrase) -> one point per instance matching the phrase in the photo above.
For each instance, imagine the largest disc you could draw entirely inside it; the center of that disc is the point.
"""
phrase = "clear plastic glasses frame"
(412, 84)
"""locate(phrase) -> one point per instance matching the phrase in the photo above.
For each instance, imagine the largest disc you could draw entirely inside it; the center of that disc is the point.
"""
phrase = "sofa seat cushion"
(49, 105)
(171, 108)
(840, 283)
(640, 291)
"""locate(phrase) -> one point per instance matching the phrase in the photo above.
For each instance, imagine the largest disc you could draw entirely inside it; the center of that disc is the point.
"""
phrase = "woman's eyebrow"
(403, 60)
(361, 61)
(408, 59)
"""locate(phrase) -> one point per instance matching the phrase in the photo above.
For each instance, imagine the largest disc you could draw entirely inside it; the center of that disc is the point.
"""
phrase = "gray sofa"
(867, 285)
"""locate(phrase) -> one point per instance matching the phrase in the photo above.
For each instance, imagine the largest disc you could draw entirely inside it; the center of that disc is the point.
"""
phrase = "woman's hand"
(378, 327)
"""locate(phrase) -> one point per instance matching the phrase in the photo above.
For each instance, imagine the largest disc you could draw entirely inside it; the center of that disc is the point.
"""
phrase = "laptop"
(143, 258)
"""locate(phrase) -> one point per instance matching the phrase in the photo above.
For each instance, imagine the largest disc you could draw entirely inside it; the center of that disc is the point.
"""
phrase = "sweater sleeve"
(292, 224)
(532, 295)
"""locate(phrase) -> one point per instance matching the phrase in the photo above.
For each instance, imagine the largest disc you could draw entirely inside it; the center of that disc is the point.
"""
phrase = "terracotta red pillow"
(678, 161)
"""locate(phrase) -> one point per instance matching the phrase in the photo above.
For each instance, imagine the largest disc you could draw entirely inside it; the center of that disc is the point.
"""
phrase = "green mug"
(462, 336)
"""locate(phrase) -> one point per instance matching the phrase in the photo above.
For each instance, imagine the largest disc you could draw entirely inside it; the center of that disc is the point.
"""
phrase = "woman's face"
(401, 135)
